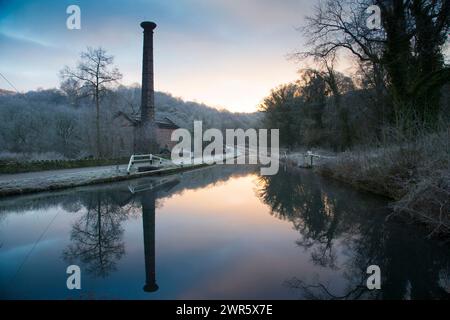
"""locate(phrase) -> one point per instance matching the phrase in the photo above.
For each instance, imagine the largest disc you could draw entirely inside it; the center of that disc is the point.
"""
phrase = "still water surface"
(222, 232)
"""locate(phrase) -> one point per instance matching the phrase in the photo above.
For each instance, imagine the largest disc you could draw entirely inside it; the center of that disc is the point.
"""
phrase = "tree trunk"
(97, 123)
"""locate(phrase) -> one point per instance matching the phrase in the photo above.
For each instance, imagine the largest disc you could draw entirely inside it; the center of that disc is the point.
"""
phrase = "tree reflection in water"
(97, 236)
(311, 212)
(343, 231)
(331, 218)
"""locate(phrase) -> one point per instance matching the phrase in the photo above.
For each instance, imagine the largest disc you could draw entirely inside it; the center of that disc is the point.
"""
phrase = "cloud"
(225, 53)
(27, 63)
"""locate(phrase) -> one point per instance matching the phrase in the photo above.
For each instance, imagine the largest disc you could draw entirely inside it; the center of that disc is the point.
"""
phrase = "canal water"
(222, 232)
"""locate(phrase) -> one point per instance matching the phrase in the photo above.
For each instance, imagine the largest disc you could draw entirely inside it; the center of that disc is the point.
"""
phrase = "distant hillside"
(186, 112)
(53, 124)
(127, 99)
(4, 92)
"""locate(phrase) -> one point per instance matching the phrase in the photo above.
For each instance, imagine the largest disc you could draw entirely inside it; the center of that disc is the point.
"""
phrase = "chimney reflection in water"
(148, 222)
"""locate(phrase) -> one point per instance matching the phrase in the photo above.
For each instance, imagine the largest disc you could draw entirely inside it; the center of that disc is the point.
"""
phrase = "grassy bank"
(12, 166)
(414, 174)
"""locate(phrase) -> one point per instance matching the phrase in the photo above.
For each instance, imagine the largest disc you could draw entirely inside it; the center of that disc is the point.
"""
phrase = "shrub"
(415, 174)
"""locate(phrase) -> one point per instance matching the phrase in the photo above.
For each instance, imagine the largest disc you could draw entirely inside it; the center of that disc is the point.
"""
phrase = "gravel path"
(20, 183)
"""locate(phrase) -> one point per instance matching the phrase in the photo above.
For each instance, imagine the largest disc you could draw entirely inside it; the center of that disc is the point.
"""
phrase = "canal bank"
(418, 189)
(24, 183)
(322, 166)
(139, 166)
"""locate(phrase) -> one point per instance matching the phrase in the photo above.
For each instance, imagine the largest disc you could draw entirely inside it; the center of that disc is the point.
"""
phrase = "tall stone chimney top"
(148, 94)
(148, 25)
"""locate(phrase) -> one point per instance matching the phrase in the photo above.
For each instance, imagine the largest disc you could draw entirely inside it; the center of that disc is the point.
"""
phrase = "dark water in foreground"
(220, 232)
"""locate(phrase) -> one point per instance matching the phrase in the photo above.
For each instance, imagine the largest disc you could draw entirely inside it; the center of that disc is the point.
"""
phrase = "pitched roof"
(166, 123)
(163, 122)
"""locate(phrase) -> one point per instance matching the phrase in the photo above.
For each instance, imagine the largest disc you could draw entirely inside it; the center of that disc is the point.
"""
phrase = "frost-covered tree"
(94, 73)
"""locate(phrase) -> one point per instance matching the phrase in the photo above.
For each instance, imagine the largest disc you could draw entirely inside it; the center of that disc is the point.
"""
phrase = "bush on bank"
(414, 174)
(14, 166)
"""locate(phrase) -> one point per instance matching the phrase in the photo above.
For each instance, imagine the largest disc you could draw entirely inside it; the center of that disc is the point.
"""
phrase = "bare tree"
(94, 72)
(408, 47)
(66, 127)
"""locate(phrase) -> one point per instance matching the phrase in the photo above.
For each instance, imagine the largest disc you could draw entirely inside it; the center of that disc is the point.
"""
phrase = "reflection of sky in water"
(218, 241)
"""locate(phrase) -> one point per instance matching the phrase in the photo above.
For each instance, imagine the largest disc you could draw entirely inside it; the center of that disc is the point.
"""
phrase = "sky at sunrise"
(227, 54)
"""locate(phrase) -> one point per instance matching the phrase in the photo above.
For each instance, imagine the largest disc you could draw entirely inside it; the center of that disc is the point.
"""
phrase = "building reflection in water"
(97, 236)
(148, 223)
(341, 231)
(147, 195)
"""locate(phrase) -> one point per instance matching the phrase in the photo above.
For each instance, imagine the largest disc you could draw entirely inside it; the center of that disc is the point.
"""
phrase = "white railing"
(136, 188)
(149, 159)
(188, 159)
(312, 155)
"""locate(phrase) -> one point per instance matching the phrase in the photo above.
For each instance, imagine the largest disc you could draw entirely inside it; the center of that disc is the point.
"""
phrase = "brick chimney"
(148, 92)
